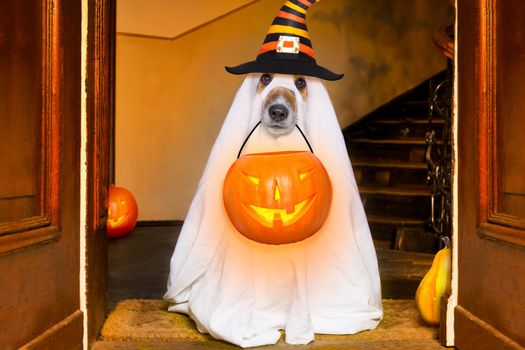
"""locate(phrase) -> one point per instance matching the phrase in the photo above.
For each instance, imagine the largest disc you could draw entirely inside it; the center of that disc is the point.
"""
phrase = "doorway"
(167, 72)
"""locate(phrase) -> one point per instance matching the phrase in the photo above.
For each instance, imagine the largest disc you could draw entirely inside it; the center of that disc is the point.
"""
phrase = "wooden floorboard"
(139, 266)
(139, 263)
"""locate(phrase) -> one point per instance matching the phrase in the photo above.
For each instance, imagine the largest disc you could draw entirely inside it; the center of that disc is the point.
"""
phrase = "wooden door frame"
(100, 135)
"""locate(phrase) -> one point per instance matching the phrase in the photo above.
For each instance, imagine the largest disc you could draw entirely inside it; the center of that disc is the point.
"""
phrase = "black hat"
(287, 48)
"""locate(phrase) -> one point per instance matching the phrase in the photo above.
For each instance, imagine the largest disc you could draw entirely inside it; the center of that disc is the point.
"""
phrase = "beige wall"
(172, 95)
(170, 18)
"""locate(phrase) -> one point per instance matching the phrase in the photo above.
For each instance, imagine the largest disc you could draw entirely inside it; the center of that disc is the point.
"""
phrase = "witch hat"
(287, 48)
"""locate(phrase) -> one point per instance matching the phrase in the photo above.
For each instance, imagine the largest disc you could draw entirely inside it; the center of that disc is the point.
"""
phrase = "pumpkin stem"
(446, 241)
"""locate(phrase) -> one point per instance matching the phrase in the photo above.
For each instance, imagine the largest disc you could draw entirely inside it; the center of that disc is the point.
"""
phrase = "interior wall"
(169, 18)
(172, 95)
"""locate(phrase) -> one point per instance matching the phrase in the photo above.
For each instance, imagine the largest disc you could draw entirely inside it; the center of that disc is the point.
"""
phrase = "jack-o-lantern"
(122, 212)
(277, 197)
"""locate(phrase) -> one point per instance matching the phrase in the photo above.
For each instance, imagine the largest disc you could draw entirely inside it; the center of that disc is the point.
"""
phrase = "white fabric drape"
(244, 292)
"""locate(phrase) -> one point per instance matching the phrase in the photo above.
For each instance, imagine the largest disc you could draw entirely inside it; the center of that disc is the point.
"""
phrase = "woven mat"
(148, 320)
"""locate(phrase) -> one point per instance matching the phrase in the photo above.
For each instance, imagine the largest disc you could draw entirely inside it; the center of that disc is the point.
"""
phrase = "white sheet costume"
(245, 292)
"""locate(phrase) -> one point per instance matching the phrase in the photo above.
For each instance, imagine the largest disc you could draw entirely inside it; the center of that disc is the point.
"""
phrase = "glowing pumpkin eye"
(305, 174)
(253, 179)
(277, 193)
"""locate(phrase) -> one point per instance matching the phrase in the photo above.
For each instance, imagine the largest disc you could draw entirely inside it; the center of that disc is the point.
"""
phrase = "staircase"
(387, 148)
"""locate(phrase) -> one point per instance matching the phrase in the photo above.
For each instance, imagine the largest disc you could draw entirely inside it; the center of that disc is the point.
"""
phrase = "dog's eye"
(266, 79)
(300, 83)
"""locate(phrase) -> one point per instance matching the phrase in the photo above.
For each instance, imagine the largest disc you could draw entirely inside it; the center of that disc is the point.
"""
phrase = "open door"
(40, 86)
(491, 112)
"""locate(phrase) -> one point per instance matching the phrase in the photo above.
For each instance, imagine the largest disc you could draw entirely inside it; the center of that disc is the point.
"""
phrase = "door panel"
(491, 110)
(21, 77)
(509, 199)
(39, 174)
(28, 189)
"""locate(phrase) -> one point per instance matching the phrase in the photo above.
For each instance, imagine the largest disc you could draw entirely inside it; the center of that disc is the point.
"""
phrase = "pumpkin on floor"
(122, 212)
(434, 285)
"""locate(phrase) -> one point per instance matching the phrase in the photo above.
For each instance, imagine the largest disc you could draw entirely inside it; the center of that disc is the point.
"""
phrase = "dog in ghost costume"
(246, 292)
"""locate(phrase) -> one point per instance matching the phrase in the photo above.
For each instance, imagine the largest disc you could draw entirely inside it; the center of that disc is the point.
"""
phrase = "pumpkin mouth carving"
(116, 219)
(271, 217)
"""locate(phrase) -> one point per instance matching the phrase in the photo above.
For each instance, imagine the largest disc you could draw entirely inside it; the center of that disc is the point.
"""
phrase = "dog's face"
(283, 100)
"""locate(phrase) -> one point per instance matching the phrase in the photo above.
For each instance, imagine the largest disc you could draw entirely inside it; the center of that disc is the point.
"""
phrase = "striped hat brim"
(283, 66)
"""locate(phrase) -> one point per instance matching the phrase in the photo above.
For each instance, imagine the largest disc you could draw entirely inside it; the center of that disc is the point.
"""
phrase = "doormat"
(148, 320)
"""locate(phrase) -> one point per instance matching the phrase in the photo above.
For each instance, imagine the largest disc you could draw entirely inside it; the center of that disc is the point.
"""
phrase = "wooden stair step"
(394, 221)
(400, 206)
(402, 265)
(389, 165)
(413, 103)
(367, 152)
(419, 107)
(390, 142)
(398, 129)
(394, 192)
(401, 255)
(406, 121)
(401, 272)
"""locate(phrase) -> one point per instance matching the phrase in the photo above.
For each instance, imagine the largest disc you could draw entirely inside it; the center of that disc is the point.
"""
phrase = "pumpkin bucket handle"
(255, 127)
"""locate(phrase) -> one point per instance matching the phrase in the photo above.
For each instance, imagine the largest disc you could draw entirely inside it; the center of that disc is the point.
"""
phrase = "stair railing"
(438, 156)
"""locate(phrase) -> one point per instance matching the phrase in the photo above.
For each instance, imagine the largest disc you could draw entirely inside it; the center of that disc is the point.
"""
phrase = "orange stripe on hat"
(307, 50)
(287, 15)
(272, 46)
(305, 2)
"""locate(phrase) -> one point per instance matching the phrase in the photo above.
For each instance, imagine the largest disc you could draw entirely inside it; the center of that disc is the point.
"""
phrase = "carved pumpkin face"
(278, 197)
(122, 212)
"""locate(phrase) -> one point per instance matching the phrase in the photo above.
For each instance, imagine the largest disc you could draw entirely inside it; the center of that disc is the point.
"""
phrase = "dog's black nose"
(278, 112)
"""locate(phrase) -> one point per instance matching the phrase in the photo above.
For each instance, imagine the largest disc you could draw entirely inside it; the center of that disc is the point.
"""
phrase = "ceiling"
(170, 18)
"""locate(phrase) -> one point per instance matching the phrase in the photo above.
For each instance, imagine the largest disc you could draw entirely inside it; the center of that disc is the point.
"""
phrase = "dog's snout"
(278, 112)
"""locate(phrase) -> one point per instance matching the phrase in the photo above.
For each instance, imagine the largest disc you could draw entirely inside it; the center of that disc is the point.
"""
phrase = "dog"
(245, 292)
(280, 106)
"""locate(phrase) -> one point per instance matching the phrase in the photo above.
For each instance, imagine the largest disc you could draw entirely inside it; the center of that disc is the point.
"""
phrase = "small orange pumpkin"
(277, 197)
(122, 212)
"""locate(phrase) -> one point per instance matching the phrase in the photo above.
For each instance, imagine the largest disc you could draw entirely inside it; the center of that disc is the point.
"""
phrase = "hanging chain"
(438, 156)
